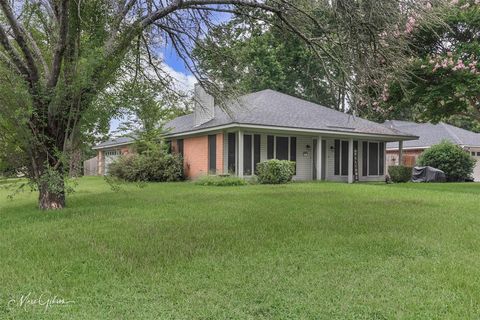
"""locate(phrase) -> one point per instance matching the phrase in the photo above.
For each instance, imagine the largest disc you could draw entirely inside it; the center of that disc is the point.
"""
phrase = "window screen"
(256, 151)
(282, 148)
(270, 147)
(231, 151)
(212, 153)
(373, 158)
(365, 159)
(381, 159)
(337, 158)
(344, 158)
(293, 151)
(247, 154)
(180, 146)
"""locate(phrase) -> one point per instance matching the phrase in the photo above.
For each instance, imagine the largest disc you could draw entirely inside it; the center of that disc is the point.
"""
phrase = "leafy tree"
(444, 82)
(58, 56)
(453, 160)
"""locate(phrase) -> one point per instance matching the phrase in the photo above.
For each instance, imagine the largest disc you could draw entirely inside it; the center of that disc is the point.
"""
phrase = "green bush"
(153, 167)
(275, 171)
(453, 160)
(220, 181)
(400, 173)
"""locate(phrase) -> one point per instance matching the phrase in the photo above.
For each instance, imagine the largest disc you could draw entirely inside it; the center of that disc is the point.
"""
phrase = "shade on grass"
(305, 250)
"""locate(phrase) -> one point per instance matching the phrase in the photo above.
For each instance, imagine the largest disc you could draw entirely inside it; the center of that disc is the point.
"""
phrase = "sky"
(174, 65)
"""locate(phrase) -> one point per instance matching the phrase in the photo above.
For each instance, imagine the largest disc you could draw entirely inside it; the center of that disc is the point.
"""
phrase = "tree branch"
(20, 38)
(60, 45)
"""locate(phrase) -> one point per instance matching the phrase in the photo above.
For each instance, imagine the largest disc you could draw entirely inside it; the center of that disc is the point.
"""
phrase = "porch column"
(240, 154)
(350, 161)
(400, 153)
(319, 158)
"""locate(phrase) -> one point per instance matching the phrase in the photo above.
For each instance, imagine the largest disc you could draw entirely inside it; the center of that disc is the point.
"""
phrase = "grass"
(297, 251)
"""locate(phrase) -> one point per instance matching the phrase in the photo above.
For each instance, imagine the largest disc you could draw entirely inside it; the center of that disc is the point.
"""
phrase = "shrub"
(400, 173)
(220, 181)
(275, 171)
(154, 167)
(453, 160)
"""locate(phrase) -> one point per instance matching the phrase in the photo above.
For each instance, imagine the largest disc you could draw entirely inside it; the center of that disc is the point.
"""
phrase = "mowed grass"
(297, 251)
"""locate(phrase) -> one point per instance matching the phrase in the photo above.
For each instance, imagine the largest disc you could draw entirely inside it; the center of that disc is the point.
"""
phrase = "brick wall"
(195, 154)
(409, 157)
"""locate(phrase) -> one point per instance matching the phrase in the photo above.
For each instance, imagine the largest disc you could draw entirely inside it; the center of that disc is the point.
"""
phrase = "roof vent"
(204, 110)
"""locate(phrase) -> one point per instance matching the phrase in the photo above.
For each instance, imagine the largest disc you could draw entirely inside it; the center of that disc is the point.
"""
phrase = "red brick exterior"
(410, 157)
(195, 155)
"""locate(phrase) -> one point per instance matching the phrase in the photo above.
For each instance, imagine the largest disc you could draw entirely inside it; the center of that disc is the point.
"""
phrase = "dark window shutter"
(231, 151)
(247, 154)
(180, 146)
(270, 147)
(212, 153)
(337, 158)
(364, 159)
(256, 151)
(344, 158)
(282, 148)
(373, 158)
(382, 159)
(293, 151)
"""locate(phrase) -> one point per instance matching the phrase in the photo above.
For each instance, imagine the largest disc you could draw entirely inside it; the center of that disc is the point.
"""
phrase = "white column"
(400, 153)
(240, 154)
(350, 161)
(319, 158)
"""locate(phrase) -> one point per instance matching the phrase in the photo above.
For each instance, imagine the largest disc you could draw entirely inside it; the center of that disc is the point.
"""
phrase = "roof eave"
(394, 137)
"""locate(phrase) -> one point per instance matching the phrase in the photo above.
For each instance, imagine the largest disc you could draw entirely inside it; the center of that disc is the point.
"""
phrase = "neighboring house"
(110, 150)
(325, 144)
(429, 135)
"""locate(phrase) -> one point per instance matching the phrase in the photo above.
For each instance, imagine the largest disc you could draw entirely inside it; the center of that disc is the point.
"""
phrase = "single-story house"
(324, 143)
(429, 135)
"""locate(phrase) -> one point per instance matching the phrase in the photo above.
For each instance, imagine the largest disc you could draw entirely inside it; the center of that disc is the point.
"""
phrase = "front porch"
(329, 157)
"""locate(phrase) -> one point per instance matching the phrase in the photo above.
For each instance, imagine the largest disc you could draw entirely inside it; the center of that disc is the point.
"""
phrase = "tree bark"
(50, 199)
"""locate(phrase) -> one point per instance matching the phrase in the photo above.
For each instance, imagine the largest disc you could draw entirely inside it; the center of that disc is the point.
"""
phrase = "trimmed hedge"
(220, 181)
(275, 171)
(152, 167)
(400, 173)
(453, 160)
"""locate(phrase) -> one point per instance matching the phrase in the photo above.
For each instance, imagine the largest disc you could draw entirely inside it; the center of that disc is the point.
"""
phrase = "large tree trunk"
(51, 198)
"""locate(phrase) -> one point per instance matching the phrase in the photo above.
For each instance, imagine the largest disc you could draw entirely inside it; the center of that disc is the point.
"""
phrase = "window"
(282, 148)
(373, 158)
(212, 153)
(232, 144)
(251, 153)
(478, 154)
(341, 158)
(270, 147)
(256, 151)
(110, 153)
(473, 153)
(180, 146)
(247, 154)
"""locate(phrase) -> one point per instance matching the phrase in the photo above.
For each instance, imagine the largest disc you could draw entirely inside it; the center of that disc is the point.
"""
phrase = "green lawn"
(299, 251)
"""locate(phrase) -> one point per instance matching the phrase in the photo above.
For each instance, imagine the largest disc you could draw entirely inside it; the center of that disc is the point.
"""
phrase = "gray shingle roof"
(430, 134)
(272, 108)
(114, 142)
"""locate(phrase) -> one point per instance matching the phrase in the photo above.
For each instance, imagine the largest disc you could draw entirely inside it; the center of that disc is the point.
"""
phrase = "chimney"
(204, 110)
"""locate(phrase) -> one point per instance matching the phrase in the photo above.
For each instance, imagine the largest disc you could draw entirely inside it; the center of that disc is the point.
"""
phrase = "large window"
(232, 143)
(341, 158)
(373, 158)
(282, 148)
(212, 153)
(251, 153)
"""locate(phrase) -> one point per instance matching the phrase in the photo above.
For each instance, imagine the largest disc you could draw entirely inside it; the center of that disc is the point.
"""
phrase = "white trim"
(389, 138)
(112, 145)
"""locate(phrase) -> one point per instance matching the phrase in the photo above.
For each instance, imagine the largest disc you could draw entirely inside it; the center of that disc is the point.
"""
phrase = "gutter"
(305, 130)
